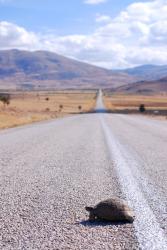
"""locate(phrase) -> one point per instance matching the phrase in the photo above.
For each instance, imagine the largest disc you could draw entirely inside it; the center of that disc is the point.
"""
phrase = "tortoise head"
(91, 213)
(89, 209)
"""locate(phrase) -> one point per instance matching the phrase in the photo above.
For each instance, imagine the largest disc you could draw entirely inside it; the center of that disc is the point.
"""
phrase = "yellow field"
(132, 102)
(30, 107)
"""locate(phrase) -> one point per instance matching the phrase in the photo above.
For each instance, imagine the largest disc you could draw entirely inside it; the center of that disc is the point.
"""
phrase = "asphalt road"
(50, 171)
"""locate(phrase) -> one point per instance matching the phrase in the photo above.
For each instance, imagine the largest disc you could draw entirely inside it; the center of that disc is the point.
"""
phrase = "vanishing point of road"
(50, 171)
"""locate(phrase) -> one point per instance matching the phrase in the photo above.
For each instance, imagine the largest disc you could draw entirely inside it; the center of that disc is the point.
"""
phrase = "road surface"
(50, 171)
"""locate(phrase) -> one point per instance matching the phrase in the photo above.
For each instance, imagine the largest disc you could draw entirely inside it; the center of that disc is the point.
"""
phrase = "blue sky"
(106, 33)
(63, 16)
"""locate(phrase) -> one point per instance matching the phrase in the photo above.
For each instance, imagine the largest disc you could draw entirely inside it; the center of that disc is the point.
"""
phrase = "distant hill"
(147, 72)
(145, 87)
(47, 70)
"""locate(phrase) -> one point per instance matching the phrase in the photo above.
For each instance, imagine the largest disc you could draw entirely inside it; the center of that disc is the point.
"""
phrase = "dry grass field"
(30, 107)
(132, 102)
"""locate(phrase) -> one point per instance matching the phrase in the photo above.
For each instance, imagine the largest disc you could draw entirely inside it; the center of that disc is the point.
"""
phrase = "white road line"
(149, 234)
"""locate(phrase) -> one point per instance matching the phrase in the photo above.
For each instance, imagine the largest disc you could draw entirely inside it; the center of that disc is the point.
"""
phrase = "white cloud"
(102, 18)
(138, 35)
(13, 36)
(94, 1)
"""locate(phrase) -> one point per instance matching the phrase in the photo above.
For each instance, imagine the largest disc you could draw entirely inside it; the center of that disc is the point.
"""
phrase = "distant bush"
(47, 98)
(5, 98)
(80, 107)
(142, 108)
(60, 107)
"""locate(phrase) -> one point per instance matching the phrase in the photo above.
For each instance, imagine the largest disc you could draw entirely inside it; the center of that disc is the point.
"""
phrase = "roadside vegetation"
(142, 108)
(18, 108)
(5, 99)
(121, 102)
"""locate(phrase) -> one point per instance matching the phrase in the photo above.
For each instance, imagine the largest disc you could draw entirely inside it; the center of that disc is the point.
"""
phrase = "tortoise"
(114, 209)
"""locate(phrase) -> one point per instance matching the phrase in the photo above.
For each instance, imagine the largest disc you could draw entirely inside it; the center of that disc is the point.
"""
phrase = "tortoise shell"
(113, 209)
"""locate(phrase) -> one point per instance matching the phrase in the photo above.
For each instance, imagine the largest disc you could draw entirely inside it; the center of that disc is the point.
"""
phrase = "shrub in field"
(79, 107)
(60, 107)
(142, 108)
(47, 98)
(5, 98)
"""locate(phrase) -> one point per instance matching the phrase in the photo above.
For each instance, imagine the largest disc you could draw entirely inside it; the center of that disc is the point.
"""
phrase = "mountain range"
(147, 72)
(145, 87)
(153, 79)
(45, 70)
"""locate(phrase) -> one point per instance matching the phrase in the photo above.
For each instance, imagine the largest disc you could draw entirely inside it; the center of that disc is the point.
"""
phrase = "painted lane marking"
(149, 234)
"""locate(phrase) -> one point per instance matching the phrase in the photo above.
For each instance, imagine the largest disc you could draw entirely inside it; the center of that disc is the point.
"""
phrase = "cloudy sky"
(107, 33)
